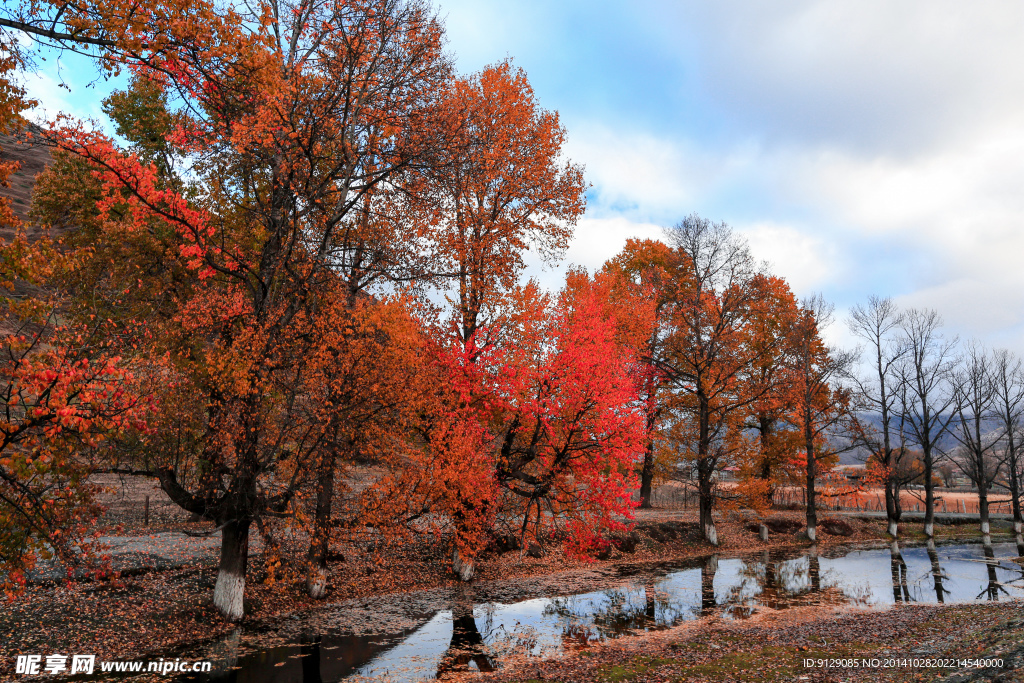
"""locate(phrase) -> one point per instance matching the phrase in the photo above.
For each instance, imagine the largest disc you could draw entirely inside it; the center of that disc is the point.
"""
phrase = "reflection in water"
(993, 588)
(310, 651)
(937, 573)
(898, 569)
(478, 632)
(467, 645)
(814, 570)
(707, 585)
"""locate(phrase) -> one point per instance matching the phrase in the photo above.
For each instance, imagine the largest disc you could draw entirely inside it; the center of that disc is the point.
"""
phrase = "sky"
(862, 147)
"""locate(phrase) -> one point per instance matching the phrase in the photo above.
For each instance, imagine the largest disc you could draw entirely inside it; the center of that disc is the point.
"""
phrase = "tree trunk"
(464, 568)
(319, 546)
(707, 503)
(892, 509)
(229, 591)
(647, 471)
(1013, 467)
(929, 495)
(983, 503)
(812, 512)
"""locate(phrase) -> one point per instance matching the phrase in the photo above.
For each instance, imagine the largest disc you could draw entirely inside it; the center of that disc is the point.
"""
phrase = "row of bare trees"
(924, 401)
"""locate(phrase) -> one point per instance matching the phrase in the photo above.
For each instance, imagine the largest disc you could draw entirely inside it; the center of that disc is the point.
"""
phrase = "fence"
(671, 497)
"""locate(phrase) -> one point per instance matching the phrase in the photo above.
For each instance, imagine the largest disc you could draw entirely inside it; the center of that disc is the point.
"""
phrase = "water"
(476, 630)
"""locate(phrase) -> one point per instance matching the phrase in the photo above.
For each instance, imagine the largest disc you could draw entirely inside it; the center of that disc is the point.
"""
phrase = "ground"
(794, 646)
(152, 611)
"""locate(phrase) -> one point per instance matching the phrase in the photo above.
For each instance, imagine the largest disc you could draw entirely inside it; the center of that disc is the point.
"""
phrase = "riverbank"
(954, 643)
(161, 610)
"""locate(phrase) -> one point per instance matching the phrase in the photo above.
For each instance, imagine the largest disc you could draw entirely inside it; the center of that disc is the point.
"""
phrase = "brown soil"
(160, 610)
(905, 643)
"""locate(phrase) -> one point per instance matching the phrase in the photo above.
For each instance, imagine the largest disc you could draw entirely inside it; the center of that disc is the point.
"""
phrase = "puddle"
(423, 635)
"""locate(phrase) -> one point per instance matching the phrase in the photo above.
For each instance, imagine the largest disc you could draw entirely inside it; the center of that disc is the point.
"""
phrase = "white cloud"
(599, 239)
(863, 73)
(805, 260)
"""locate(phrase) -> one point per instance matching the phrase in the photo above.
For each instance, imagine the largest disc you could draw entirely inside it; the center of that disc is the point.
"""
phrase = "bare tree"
(926, 401)
(974, 389)
(877, 324)
(1008, 379)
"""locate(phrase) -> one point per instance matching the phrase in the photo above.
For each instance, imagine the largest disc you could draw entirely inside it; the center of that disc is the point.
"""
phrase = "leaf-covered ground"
(153, 612)
(776, 646)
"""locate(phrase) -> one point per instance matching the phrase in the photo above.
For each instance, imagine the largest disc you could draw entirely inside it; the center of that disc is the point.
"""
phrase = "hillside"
(34, 158)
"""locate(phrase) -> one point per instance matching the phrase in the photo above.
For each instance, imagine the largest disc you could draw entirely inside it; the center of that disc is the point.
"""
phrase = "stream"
(422, 634)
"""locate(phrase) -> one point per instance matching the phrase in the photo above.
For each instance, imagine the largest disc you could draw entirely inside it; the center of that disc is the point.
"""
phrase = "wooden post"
(146, 514)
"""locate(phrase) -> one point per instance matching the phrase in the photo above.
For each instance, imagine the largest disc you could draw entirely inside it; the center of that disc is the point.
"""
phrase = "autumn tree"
(496, 189)
(925, 400)
(63, 390)
(821, 402)
(710, 349)
(292, 120)
(877, 393)
(537, 432)
(773, 383)
(644, 273)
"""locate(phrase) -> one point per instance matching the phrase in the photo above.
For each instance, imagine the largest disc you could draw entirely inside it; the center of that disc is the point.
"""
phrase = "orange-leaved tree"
(289, 123)
(495, 189)
(821, 402)
(711, 351)
(643, 275)
(770, 380)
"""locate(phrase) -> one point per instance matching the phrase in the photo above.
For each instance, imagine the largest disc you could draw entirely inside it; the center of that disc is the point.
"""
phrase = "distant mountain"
(34, 158)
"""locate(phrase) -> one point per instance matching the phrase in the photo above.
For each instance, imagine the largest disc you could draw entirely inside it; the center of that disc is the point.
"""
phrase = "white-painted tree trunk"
(229, 591)
(316, 582)
(892, 528)
(929, 530)
(710, 532)
(985, 529)
(1018, 528)
(764, 532)
(464, 569)
(228, 594)
(812, 533)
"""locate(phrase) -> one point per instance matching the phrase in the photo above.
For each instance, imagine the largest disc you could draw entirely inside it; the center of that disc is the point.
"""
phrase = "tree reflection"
(707, 585)
(309, 648)
(616, 612)
(938, 574)
(778, 584)
(814, 570)
(467, 645)
(993, 588)
(898, 567)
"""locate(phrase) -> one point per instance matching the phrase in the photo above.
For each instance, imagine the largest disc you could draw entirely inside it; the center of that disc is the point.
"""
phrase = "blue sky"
(861, 146)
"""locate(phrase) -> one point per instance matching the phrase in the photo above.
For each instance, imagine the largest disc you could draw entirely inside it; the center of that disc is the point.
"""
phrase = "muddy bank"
(164, 610)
